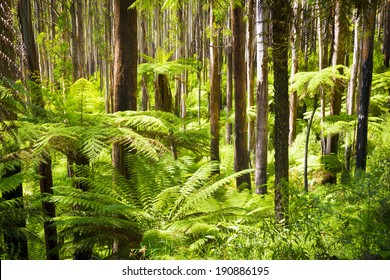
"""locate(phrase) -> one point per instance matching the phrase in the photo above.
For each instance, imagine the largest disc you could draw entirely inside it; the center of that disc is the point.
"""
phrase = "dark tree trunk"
(306, 155)
(126, 56)
(369, 16)
(280, 12)
(124, 87)
(386, 35)
(50, 229)
(250, 40)
(78, 41)
(45, 173)
(241, 156)
(78, 159)
(215, 92)
(162, 94)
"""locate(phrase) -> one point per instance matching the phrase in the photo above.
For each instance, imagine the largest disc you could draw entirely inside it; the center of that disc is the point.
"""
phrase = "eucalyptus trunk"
(241, 155)
(215, 90)
(261, 164)
(124, 87)
(44, 170)
(369, 17)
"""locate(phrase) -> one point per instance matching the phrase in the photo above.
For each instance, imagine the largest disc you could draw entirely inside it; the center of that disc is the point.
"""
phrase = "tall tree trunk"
(45, 173)
(144, 50)
(241, 156)
(229, 85)
(78, 42)
(215, 90)
(340, 32)
(294, 69)
(250, 55)
(107, 58)
(262, 27)
(351, 94)
(369, 16)
(125, 84)
(280, 33)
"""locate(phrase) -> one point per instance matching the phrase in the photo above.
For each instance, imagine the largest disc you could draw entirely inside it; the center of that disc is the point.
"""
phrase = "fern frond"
(185, 205)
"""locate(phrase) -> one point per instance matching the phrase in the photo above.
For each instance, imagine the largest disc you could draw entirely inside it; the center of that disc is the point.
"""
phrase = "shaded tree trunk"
(369, 16)
(124, 86)
(229, 86)
(250, 55)
(44, 171)
(386, 35)
(215, 90)
(162, 94)
(340, 33)
(241, 156)
(280, 33)
(15, 246)
(78, 41)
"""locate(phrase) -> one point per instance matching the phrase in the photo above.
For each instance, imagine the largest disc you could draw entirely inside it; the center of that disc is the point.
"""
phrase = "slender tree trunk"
(215, 90)
(241, 157)
(45, 173)
(280, 33)
(351, 94)
(261, 164)
(340, 32)
(306, 155)
(250, 50)
(229, 85)
(144, 50)
(369, 16)
(294, 69)
(78, 42)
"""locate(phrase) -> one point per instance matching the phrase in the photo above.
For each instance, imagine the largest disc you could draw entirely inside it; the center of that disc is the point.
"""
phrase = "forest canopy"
(167, 129)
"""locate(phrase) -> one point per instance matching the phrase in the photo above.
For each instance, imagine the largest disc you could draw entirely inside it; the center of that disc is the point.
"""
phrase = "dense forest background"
(168, 129)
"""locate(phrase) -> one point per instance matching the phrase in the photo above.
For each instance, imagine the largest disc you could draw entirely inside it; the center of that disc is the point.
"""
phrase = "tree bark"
(280, 33)
(250, 55)
(229, 86)
(369, 16)
(241, 157)
(215, 90)
(125, 85)
(162, 94)
(126, 56)
(351, 94)
(294, 69)
(78, 41)
(261, 163)
(340, 33)
(45, 173)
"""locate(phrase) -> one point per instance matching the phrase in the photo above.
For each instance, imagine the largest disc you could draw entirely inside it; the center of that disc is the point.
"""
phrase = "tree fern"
(310, 83)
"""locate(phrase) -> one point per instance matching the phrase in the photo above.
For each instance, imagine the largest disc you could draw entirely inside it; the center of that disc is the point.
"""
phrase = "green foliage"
(311, 83)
